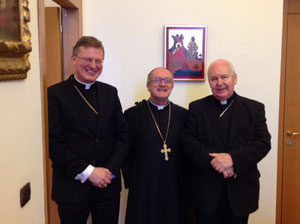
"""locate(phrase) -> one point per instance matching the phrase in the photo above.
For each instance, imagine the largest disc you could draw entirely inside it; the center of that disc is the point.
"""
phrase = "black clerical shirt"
(224, 116)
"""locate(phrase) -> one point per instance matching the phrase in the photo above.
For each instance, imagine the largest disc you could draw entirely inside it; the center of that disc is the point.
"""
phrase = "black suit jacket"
(74, 143)
(248, 143)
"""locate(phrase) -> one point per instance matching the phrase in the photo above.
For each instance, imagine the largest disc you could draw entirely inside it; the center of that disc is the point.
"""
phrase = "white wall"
(21, 159)
(246, 32)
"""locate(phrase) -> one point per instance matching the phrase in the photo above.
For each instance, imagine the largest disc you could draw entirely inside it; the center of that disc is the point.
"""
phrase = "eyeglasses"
(215, 79)
(159, 80)
(90, 60)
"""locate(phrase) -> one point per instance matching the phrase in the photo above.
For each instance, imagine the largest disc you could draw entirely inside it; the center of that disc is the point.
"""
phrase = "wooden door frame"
(281, 117)
(72, 26)
(289, 7)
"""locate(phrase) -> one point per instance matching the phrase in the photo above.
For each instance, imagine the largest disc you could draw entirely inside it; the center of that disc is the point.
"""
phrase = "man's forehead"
(220, 70)
(86, 48)
(161, 72)
(221, 74)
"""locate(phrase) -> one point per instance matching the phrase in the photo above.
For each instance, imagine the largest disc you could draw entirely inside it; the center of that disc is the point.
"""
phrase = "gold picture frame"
(15, 38)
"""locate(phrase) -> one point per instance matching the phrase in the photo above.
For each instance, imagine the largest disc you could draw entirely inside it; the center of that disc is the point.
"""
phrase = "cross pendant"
(165, 150)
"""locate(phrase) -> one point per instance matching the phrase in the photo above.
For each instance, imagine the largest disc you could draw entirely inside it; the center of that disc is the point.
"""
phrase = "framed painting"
(15, 38)
(185, 51)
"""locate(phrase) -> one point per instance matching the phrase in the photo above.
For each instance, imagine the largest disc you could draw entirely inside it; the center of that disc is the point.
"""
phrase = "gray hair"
(232, 70)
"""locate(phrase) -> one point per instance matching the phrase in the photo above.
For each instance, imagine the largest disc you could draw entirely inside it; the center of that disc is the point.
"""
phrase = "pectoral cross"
(165, 150)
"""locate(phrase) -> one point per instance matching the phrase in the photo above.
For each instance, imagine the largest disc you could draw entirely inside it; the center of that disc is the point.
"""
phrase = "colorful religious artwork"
(15, 38)
(185, 51)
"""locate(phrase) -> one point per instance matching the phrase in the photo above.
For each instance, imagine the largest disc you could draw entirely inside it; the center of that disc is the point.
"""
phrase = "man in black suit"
(225, 136)
(87, 140)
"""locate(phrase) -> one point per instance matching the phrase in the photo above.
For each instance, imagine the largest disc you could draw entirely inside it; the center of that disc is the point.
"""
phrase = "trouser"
(222, 215)
(103, 210)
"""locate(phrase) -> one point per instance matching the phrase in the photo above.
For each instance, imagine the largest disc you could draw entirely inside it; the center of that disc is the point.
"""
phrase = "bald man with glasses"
(154, 169)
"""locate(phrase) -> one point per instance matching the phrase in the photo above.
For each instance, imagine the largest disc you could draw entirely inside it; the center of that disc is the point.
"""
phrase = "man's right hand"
(229, 172)
(100, 177)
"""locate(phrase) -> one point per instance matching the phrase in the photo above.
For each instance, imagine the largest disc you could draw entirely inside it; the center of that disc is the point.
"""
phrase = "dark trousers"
(222, 215)
(103, 210)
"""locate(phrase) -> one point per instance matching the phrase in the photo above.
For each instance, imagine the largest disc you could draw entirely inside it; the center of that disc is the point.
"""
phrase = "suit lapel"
(100, 106)
(77, 102)
(213, 117)
(235, 117)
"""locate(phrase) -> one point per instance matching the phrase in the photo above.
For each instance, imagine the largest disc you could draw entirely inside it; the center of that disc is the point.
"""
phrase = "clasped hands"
(100, 177)
(222, 163)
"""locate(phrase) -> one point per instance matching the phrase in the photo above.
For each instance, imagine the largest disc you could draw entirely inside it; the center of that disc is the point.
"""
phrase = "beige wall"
(21, 159)
(246, 32)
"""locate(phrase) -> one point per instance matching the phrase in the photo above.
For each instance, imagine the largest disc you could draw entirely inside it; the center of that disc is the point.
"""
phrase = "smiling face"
(160, 89)
(222, 79)
(88, 64)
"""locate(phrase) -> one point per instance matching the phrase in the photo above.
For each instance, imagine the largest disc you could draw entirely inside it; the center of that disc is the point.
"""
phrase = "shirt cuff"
(82, 177)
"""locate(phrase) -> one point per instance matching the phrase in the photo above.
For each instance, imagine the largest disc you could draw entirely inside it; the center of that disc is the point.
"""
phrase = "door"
(291, 147)
(53, 74)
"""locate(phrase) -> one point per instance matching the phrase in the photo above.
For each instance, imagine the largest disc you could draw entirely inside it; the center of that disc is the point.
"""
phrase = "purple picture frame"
(185, 51)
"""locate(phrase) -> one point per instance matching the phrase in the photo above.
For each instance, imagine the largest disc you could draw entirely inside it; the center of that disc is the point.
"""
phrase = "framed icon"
(185, 51)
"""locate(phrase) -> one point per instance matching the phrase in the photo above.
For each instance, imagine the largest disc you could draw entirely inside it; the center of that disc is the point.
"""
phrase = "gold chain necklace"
(85, 100)
(226, 108)
(165, 150)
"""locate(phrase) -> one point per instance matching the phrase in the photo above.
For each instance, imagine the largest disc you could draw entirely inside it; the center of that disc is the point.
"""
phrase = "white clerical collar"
(159, 107)
(223, 102)
(87, 85)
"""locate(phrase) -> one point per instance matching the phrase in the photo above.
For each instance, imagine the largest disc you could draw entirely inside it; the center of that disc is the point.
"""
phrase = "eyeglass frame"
(90, 60)
(159, 80)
